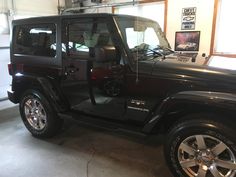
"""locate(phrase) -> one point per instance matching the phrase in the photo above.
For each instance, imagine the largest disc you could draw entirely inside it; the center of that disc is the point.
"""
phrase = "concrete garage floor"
(78, 151)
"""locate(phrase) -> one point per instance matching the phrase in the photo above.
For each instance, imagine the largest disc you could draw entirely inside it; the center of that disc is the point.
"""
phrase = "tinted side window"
(39, 40)
(86, 37)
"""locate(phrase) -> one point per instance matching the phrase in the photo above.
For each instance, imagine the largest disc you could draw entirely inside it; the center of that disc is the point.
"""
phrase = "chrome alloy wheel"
(206, 156)
(35, 114)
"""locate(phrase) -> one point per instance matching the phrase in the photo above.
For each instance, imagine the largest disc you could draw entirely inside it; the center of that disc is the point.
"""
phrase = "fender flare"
(54, 94)
(207, 98)
(47, 86)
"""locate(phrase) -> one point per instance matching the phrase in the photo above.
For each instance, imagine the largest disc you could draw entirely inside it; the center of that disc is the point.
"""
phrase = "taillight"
(15, 68)
(10, 70)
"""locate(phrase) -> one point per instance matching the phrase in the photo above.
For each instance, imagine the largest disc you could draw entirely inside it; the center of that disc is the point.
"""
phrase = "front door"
(94, 75)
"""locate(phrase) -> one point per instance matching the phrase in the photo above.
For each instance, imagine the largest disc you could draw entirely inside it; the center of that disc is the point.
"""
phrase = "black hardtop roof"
(54, 18)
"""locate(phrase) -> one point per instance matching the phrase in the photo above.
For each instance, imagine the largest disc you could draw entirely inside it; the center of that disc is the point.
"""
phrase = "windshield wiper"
(146, 53)
(163, 51)
(153, 53)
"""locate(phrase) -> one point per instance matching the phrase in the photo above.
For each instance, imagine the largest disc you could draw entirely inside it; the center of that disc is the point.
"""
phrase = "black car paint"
(177, 83)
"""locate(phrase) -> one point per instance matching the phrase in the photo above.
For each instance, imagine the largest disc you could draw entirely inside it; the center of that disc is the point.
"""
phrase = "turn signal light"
(10, 70)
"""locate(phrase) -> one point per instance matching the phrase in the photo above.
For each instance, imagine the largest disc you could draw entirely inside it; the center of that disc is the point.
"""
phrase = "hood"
(194, 72)
(196, 77)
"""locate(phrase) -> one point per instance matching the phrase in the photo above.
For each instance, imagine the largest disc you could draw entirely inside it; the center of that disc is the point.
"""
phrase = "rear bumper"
(12, 96)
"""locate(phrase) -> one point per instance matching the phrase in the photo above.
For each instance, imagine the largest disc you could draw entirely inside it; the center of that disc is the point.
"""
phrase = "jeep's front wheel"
(38, 115)
(202, 148)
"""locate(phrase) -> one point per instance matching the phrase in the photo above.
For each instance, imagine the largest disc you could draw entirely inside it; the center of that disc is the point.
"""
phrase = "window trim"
(213, 34)
(29, 55)
(84, 20)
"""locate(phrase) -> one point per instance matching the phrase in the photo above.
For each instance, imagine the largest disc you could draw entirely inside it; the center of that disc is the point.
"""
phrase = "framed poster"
(188, 18)
(187, 40)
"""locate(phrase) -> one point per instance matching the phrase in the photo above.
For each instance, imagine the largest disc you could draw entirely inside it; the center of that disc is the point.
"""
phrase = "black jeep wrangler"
(120, 71)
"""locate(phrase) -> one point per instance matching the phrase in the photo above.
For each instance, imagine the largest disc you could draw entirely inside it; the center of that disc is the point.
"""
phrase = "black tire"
(191, 147)
(38, 115)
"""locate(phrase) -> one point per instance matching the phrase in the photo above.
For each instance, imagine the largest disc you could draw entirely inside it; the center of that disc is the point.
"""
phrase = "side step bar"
(103, 123)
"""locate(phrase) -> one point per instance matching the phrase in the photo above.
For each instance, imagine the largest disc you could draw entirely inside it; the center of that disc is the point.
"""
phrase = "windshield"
(143, 37)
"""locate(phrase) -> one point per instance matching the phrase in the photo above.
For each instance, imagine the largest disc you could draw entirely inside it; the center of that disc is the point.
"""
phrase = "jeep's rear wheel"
(202, 148)
(35, 113)
(38, 115)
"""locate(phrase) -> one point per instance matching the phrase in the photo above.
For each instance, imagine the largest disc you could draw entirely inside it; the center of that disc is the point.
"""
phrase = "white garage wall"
(4, 40)
(204, 19)
(5, 79)
(33, 7)
(36, 7)
(22, 9)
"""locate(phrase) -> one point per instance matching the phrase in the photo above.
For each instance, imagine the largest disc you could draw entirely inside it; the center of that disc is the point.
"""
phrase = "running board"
(103, 123)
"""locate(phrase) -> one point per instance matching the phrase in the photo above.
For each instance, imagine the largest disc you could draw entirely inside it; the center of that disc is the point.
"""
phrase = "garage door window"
(38, 40)
(223, 51)
(225, 37)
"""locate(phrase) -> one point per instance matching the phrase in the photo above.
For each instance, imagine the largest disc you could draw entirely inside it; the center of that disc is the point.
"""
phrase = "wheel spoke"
(219, 148)
(200, 142)
(35, 114)
(226, 164)
(41, 110)
(28, 105)
(188, 163)
(41, 124)
(197, 151)
(34, 103)
(201, 172)
(214, 171)
(187, 148)
(42, 117)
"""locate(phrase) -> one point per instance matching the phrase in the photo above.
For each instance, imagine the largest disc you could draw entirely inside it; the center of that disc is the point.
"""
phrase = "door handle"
(71, 70)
